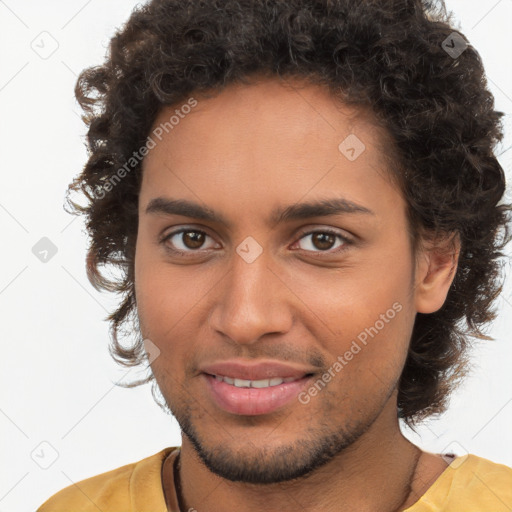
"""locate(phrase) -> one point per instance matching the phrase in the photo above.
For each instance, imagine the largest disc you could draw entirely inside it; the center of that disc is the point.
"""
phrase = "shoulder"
(491, 476)
(109, 491)
(471, 483)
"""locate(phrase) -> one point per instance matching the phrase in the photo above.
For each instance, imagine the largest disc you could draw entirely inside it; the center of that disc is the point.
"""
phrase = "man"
(305, 202)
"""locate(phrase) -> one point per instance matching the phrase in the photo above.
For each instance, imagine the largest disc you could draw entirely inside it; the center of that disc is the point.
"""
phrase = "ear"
(436, 265)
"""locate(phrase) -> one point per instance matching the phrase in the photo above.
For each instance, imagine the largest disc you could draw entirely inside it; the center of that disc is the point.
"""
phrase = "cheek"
(159, 311)
(170, 303)
(346, 301)
(364, 317)
(158, 291)
(157, 302)
(160, 301)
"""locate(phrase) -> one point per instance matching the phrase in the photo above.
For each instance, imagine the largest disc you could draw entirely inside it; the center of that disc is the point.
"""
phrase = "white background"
(57, 378)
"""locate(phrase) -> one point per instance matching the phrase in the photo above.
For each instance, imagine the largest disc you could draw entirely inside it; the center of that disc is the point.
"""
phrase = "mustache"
(276, 351)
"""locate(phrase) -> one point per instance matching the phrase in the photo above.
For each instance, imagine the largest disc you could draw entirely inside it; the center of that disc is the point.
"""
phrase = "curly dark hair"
(389, 56)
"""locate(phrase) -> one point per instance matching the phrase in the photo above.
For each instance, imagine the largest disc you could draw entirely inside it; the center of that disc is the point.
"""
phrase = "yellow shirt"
(471, 485)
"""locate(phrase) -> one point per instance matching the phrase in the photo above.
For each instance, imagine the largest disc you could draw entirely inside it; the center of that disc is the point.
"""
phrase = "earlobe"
(435, 270)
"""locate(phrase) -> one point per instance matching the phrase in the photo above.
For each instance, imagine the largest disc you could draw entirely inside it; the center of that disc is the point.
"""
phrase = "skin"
(242, 153)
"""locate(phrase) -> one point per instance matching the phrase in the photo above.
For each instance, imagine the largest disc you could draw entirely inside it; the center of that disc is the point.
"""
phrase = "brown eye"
(185, 241)
(324, 241)
(193, 239)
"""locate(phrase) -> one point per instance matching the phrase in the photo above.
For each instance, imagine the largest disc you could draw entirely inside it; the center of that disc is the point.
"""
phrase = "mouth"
(254, 397)
(260, 384)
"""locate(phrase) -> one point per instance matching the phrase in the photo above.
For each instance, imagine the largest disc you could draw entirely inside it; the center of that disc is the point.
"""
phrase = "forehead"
(301, 108)
(269, 141)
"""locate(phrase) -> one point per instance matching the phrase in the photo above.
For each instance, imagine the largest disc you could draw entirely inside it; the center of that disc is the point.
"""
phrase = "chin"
(261, 463)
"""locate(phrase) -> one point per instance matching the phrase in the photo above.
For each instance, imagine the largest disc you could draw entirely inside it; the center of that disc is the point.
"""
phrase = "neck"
(378, 472)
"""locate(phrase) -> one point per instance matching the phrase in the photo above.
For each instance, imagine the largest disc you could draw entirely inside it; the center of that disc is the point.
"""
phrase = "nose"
(251, 300)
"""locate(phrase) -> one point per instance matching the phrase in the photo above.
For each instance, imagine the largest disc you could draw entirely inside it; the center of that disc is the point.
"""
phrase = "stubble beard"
(263, 465)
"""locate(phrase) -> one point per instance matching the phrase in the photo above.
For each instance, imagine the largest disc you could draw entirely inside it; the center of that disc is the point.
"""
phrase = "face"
(326, 292)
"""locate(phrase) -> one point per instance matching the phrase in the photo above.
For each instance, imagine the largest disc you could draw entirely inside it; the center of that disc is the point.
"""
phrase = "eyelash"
(346, 241)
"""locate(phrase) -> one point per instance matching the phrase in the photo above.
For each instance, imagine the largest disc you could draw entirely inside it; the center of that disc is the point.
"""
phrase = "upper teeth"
(263, 383)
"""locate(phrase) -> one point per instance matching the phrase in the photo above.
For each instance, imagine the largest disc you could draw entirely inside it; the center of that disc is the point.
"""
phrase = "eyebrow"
(299, 211)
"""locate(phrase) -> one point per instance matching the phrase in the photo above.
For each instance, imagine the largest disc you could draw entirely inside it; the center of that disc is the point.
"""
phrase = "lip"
(253, 401)
(255, 371)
